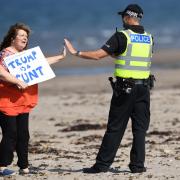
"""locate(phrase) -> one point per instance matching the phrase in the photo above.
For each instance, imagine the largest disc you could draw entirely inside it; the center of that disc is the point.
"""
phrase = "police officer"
(132, 48)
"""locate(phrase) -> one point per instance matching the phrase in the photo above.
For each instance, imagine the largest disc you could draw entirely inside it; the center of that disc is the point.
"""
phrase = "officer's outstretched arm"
(94, 55)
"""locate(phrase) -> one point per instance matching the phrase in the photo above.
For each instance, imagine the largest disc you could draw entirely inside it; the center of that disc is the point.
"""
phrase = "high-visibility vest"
(135, 62)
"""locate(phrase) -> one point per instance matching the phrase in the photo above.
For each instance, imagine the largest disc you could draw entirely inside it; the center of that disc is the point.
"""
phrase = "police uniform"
(132, 48)
(135, 105)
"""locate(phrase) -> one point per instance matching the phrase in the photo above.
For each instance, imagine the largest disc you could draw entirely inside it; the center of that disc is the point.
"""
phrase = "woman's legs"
(22, 140)
(8, 142)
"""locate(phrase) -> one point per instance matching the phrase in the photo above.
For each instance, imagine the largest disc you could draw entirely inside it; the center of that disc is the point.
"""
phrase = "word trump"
(137, 38)
(23, 60)
(29, 66)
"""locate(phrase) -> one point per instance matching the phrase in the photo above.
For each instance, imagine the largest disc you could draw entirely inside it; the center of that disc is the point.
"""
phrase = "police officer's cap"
(132, 10)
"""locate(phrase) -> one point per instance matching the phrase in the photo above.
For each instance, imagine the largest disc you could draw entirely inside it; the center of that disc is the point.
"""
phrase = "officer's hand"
(70, 47)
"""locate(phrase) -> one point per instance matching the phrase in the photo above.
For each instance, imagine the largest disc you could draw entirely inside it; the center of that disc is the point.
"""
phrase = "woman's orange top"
(14, 101)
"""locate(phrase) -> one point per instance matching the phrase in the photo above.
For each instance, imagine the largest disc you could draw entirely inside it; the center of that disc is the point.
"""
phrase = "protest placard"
(29, 66)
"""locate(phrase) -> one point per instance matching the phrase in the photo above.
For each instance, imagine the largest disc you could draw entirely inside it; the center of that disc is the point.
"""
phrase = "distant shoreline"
(86, 71)
(161, 56)
(165, 59)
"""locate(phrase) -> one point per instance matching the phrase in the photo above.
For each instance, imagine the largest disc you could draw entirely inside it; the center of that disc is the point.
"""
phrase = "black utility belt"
(125, 85)
(147, 82)
(131, 80)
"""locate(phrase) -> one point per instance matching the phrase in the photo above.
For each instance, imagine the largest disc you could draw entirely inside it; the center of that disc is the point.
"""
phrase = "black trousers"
(137, 107)
(15, 137)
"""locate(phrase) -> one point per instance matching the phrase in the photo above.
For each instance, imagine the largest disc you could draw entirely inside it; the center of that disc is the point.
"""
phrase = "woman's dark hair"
(12, 33)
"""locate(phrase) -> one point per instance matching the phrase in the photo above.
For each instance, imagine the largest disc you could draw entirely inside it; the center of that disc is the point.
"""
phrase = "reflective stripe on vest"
(135, 62)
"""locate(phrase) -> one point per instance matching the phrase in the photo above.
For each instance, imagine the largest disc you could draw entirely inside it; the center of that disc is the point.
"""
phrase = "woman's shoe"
(24, 171)
(7, 172)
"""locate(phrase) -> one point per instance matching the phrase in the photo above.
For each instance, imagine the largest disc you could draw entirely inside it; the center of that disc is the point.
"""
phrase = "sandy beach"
(69, 122)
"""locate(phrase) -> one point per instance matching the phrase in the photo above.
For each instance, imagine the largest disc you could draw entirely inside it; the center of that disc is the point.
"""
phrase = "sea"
(88, 23)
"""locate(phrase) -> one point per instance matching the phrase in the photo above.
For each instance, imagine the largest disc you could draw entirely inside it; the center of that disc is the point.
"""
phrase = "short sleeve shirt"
(12, 100)
(118, 42)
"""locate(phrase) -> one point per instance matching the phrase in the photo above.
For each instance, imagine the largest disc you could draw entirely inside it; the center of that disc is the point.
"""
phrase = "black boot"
(94, 170)
(135, 169)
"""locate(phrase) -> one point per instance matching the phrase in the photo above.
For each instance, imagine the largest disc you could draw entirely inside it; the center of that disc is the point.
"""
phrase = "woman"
(16, 101)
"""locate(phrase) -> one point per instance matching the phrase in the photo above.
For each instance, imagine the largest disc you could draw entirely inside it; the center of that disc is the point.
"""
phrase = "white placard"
(29, 66)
